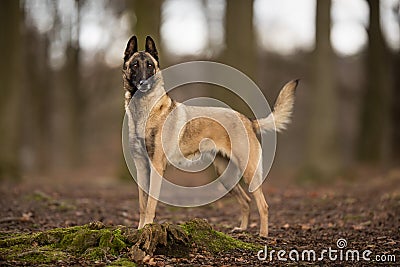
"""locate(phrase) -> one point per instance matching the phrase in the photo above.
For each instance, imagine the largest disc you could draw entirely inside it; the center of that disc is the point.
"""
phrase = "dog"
(141, 74)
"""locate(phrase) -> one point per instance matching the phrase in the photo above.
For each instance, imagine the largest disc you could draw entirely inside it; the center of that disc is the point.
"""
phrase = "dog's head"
(140, 66)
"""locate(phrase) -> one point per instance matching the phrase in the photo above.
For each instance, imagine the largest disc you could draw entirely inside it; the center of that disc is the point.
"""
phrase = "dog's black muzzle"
(144, 85)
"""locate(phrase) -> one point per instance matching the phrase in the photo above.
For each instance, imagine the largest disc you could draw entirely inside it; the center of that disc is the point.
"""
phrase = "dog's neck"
(143, 105)
(139, 100)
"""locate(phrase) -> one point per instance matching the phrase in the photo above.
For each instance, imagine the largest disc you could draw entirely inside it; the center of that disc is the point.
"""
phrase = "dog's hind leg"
(253, 174)
(244, 201)
(263, 211)
(220, 164)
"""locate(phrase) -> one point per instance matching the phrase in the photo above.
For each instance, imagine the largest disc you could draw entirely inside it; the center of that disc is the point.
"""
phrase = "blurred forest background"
(61, 96)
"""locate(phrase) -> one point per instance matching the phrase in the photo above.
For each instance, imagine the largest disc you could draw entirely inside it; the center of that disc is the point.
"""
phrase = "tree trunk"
(75, 98)
(373, 133)
(10, 76)
(37, 123)
(239, 36)
(395, 105)
(395, 113)
(74, 106)
(240, 46)
(147, 21)
(323, 153)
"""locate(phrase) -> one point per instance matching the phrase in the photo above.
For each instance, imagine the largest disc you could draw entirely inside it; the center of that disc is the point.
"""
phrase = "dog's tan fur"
(190, 132)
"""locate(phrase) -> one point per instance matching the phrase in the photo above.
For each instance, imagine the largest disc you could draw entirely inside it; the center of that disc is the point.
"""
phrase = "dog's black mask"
(140, 67)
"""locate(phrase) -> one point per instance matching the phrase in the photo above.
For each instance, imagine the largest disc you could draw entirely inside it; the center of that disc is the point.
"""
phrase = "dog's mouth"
(144, 86)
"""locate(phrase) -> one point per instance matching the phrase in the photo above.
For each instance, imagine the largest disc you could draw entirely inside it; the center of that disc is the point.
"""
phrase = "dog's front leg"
(142, 207)
(143, 180)
(154, 193)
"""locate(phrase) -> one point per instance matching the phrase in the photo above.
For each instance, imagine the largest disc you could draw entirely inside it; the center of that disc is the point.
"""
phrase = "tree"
(395, 99)
(10, 76)
(240, 46)
(75, 94)
(373, 134)
(146, 19)
(239, 36)
(36, 89)
(323, 155)
(395, 112)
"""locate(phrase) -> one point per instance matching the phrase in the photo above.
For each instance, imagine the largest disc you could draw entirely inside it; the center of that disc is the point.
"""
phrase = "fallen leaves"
(308, 218)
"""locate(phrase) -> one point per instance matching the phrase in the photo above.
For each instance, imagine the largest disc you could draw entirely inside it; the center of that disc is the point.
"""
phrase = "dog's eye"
(149, 65)
(135, 65)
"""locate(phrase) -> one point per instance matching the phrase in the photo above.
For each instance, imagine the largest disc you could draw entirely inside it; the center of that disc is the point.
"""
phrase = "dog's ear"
(151, 48)
(131, 48)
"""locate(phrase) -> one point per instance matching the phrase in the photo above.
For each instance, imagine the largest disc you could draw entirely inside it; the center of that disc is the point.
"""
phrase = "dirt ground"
(360, 212)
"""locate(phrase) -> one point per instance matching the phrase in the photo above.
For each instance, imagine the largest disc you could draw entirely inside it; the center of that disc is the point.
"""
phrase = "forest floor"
(360, 213)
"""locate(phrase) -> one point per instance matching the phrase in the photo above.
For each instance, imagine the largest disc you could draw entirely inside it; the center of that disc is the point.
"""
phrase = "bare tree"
(239, 40)
(395, 103)
(37, 122)
(146, 19)
(239, 36)
(74, 93)
(323, 155)
(373, 134)
(10, 76)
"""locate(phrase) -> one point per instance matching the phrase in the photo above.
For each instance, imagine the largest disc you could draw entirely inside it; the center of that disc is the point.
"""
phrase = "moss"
(40, 196)
(202, 234)
(27, 254)
(94, 254)
(112, 241)
(54, 236)
(122, 262)
(80, 241)
(14, 240)
(95, 242)
(64, 206)
(45, 199)
(104, 240)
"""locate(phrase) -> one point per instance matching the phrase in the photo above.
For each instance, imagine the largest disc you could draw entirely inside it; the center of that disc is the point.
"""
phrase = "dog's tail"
(280, 117)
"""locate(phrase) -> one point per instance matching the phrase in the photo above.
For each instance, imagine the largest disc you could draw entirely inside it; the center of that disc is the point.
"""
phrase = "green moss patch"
(93, 242)
(45, 199)
(122, 262)
(120, 245)
(202, 234)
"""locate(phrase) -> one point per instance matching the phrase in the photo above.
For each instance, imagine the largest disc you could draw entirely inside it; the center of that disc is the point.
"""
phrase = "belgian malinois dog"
(142, 75)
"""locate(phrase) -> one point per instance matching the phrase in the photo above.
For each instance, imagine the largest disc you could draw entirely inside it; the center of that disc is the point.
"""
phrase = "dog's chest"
(145, 126)
(137, 136)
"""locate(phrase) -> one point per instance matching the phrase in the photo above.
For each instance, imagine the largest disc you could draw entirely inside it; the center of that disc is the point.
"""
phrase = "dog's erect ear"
(151, 48)
(131, 48)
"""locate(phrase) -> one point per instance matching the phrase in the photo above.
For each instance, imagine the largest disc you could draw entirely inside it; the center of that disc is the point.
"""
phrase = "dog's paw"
(237, 230)
(264, 235)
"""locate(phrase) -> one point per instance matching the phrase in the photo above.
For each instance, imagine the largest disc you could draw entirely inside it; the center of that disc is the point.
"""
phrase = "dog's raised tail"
(280, 117)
